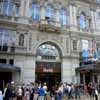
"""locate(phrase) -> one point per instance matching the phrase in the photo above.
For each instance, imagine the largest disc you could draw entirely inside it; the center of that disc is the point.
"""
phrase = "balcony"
(13, 49)
(9, 11)
(48, 25)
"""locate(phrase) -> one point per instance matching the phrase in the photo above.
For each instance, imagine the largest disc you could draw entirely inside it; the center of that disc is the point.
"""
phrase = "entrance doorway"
(50, 79)
(48, 64)
(49, 72)
(5, 77)
(88, 78)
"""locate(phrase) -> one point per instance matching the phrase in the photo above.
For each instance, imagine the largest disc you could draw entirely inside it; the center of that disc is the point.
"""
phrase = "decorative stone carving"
(93, 7)
(53, 37)
(71, 2)
(83, 9)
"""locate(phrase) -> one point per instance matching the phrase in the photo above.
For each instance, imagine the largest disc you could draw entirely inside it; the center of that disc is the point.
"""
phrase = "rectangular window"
(74, 45)
(9, 8)
(67, 45)
(4, 61)
(7, 37)
(98, 15)
(11, 61)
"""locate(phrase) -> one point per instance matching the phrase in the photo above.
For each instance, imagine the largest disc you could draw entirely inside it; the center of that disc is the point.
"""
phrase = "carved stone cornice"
(72, 2)
(93, 7)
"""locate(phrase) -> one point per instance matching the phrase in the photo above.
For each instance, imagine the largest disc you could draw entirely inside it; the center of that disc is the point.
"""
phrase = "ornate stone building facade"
(42, 39)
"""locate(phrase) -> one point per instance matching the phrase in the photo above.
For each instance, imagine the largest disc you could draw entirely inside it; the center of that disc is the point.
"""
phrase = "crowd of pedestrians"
(39, 91)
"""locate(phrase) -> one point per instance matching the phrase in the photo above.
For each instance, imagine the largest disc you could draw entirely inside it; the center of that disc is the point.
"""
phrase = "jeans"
(41, 97)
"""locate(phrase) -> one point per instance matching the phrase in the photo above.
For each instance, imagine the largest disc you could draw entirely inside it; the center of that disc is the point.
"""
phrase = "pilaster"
(57, 17)
(42, 12)
(26, 10)
(93, 21)
(73, 21)
(22, 8)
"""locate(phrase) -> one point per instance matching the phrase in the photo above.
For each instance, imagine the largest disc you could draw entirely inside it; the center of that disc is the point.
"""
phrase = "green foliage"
(36, 1)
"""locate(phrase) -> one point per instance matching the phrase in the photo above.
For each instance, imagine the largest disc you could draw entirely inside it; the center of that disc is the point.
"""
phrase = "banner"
(89, 51)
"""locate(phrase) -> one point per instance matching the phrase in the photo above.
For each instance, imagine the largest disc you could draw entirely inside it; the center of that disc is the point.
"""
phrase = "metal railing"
(12, 49)
(9, 9)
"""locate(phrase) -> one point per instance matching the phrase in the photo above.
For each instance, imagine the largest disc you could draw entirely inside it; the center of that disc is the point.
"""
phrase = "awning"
(89, 67)
(8, 67)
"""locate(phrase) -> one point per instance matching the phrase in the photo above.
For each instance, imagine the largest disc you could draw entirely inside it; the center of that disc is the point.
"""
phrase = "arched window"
(21, 40)
(50, 12)
(7, 7)
(34, 11)
(63, 17)
(82, 21)
(48, 51)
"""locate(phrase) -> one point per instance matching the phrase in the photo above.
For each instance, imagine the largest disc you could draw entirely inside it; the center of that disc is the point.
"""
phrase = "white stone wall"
(27, 65)
(68, 70)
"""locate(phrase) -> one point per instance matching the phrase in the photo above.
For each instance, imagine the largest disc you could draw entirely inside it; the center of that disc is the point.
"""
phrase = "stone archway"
(48, 64)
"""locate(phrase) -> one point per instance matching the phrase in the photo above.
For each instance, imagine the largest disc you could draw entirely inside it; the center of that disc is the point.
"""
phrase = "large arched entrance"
(48, 64)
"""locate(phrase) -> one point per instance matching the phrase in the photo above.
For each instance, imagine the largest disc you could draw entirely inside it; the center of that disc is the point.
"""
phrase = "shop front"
(49, 72)
(6, 74)
(48, 64)
(89, 73)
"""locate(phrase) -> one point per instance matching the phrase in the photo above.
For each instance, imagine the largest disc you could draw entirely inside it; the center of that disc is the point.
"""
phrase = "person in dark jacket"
(32, 91)
(8, 93)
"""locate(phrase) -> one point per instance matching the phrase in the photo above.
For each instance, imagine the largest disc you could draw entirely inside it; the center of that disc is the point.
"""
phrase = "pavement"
(82, 98)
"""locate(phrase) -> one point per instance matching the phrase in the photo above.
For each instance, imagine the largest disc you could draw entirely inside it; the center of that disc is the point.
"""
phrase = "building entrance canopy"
(8, 67)
(89, 67)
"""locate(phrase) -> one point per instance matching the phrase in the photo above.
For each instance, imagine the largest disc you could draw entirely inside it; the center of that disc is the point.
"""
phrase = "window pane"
(82, 21)
(50, 12)
(63, 17)
(21, 40)
(8, 8)
(7, 37)
(47, 51)
(34, 12)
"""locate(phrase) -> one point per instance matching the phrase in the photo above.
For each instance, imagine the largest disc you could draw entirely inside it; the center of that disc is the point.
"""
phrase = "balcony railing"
(49, 26)
(9, 11)
(12, 49)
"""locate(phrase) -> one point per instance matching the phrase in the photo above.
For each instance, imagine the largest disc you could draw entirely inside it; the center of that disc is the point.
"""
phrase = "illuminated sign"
(47, 70)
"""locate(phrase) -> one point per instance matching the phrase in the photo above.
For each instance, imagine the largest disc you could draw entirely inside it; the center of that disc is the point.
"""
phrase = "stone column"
(67, 70)
(26, 42)
(84, 78)
(29, 69)
(93, 21)
(93, 8)
(26, 10)
(77, 77)
(96, 22)
(22, 8)
(73, 21)
(57, 16)
(74, 17)
(71, 15)
(42, 13)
